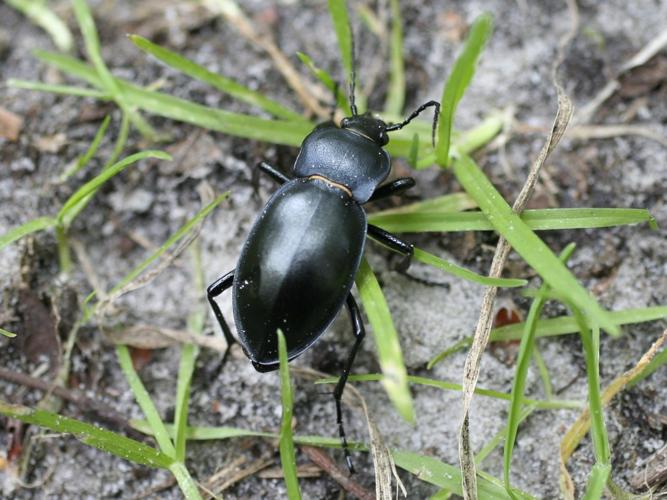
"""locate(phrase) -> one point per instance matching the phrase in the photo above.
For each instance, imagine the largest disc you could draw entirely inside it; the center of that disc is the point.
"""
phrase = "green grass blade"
(40, 14)
(7, 333)
(31, 226)
(451, 386)
(287, 453)
(182, 231)
(396, 91)
(658, 361)
(461, 272)
(590, 342)
(395, 380)
(453, 202)
(427, 219)
(187, 485)
(327, 81)
(434, 471)
(70, 65)
(521, 374)
(341, 23)
(426, 468)
(82, 161)
(92, 42)
(102, 439)
(92, 185)
(219, 82)
(527, 244)
(57, 89)
(145, 402)
(189, 352)
(458, 81)
(557, 326)
(596, 482)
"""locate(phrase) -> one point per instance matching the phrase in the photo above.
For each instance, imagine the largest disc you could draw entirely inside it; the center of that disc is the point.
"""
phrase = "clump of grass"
(447, 213)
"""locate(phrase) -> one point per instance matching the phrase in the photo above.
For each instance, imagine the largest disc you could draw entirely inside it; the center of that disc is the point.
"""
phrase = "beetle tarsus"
(359, 334)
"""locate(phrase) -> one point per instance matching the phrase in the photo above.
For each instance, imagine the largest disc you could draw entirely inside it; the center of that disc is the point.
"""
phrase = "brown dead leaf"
(10, 125)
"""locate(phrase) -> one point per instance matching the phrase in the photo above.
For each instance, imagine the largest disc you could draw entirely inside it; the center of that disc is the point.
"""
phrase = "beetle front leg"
(273, 172)
(394, 243)
(394, 188)
(213, 291)
(359, 333)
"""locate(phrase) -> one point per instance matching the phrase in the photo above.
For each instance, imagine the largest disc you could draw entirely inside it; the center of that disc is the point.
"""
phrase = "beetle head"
(368, 126)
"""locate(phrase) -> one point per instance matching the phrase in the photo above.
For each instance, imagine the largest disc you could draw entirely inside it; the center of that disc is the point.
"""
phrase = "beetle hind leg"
(395, 243)
(214, 290)
(359, 334)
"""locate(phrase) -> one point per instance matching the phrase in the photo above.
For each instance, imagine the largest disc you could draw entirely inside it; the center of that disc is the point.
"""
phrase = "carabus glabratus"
(299, 261)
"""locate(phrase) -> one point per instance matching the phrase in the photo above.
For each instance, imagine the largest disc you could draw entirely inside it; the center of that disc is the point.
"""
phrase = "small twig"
(104, 413)
(323, 460)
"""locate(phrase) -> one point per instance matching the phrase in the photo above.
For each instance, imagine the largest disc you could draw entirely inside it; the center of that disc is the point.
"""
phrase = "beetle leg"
(393, 188)
(273, 172)
(213, 291)
(394, 243)
(359, 333)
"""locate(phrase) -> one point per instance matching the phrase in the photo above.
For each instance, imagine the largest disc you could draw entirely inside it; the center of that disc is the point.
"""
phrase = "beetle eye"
(345, 122)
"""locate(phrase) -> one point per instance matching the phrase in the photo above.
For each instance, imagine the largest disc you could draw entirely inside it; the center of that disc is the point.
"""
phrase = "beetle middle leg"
(393, 242)
(359, 333)
(214, 290)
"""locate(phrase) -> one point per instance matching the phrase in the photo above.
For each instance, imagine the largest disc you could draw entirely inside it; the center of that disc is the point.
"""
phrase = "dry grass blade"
(584, 132)
(580, 427)
(230, 10)
(155, 337)
(485, 321)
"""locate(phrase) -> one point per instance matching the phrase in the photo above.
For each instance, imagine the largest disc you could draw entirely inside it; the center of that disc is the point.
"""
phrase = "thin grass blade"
(83, 160)
(327, 81)
(395, 380)
(287, 453)
(57, 89)
(466, 274)
(533, 250)
(105, 440)
(40, 14)
(29, 227)
(556, 326)
(92, 185)
(219, 82)
(521, 373)
(7, 333)
(396, 91)
(458, 81)
(428, 218)
(145, 402)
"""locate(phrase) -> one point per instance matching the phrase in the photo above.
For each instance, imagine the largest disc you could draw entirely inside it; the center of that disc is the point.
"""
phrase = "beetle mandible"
(298, 264)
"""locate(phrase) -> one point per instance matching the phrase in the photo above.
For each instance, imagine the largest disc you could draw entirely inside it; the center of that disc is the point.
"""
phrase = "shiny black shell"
(296, 268)
(345, 156)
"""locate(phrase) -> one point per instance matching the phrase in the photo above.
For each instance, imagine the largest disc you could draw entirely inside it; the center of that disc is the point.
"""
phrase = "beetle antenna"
(353, 106)
(435, 104)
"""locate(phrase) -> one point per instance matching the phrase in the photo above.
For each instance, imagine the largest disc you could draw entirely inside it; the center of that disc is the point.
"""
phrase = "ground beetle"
(298, 264)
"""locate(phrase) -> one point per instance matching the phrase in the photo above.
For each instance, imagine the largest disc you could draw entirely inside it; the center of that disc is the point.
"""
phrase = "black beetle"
(298, 264)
